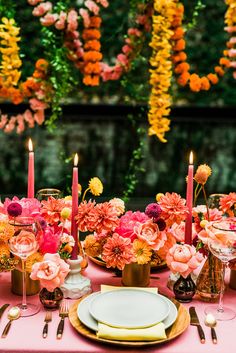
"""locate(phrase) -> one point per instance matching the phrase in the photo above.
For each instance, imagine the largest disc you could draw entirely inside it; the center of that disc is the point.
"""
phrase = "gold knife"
(195, 322)
(2, 309)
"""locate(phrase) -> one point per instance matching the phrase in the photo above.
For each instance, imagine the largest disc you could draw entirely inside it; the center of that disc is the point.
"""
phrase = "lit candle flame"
(30, 144)
(76, 160)
(191, 158)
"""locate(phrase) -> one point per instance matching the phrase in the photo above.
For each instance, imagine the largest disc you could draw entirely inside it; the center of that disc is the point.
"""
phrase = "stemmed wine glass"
(222, 244)
(23, 244)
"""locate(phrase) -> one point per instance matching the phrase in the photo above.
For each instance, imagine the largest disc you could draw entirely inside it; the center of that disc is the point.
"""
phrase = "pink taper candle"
(30, 193)
(189, 201)
(75, 198)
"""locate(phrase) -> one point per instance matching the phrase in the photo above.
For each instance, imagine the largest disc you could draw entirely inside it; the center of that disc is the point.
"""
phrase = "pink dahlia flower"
(51, 272)
(117, 252)
(183, 259)
(51, 209)
(84, 220)
(149, 232)
(228, 204)
(128, 222)
(173, 208)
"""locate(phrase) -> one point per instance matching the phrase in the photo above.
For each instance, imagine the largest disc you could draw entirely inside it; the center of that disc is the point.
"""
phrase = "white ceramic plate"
(87, 319)
(129, 308)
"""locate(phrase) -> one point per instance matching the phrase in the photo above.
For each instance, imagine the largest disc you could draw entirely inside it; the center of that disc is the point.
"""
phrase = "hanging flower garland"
(35, 88)
(161, 68)
(230, 21)
(182, 68)
(88, 57)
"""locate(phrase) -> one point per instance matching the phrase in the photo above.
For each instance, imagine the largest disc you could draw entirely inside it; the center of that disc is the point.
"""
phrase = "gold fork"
(63, 313)
(48, 318)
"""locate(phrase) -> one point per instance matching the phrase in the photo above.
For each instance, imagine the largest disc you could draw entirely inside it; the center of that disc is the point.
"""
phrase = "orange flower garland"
(92, 55)
(179, 58)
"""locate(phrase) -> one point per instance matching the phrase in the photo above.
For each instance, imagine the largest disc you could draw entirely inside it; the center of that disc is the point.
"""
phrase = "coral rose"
(183, 259)
(150, 233)
(51, 272)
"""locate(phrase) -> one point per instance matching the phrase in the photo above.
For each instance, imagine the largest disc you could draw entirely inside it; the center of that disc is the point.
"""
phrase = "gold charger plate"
(97, 260)
(181, 324)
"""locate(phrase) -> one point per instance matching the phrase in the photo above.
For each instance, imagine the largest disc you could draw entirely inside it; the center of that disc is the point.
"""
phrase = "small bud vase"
(51, 300)
(134, 275)
(184, 289)
(209, 279)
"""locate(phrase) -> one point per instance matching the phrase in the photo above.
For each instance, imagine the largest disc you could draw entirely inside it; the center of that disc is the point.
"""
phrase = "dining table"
(25, 334)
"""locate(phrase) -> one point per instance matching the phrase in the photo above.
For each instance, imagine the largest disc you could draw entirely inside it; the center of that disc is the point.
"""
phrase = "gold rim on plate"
(98, 261)
(180, 325)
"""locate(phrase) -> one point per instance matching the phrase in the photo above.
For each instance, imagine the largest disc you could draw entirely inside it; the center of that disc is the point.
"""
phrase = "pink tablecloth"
(26, 333)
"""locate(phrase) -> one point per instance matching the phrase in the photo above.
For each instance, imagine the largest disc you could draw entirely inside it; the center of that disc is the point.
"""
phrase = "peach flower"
(170, 241)
(202, 174)
(200, 213)
(118, 205)
(183, 259)
(150, 233)
(24, 243)
(51, 272)
(49, 19)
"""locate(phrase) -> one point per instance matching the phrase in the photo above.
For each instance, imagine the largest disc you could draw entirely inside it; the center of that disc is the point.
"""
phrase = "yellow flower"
(32, 259)
(161, 71)
(65, 212)
(95, 186)
(202, 174)
(6, 231)
(4, 249)
(142, 251)
(159, 196)
(91, 246)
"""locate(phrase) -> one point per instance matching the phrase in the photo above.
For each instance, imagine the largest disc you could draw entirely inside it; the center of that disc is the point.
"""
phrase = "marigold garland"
(182, 68)
(161, 68)
(78, 53)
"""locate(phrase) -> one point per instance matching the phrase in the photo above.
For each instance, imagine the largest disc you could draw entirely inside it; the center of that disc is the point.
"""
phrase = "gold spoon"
(13, 314)
(211, 322)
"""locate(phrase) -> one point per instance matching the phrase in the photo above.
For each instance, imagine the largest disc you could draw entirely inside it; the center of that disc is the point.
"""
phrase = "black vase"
(184, 289)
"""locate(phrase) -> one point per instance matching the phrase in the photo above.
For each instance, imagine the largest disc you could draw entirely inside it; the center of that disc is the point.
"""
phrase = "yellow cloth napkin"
(155, 332)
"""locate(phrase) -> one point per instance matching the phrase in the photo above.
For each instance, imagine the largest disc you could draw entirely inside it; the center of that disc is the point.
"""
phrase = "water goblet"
(222, 244)
(23, 244)
(44, 194)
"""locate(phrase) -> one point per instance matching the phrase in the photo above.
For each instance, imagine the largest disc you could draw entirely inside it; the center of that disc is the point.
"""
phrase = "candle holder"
(76, 285)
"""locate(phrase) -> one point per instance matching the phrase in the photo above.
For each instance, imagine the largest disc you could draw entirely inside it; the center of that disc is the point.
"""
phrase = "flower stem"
(85, 194)
(205, 198)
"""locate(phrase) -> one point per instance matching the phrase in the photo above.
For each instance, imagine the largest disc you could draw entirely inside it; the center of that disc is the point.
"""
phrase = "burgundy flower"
(14, 209)
(161, 224)
(153, 210)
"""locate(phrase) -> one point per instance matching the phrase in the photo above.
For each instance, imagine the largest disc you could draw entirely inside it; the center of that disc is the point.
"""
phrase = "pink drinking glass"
(23, 244)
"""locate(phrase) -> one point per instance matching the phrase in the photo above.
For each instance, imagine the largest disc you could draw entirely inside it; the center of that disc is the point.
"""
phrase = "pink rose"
(150, 233)
(183, 259)
(51, 272)
(127, 223)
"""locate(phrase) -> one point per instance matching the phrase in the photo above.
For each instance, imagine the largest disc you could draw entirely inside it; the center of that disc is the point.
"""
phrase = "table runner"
(26, 333)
